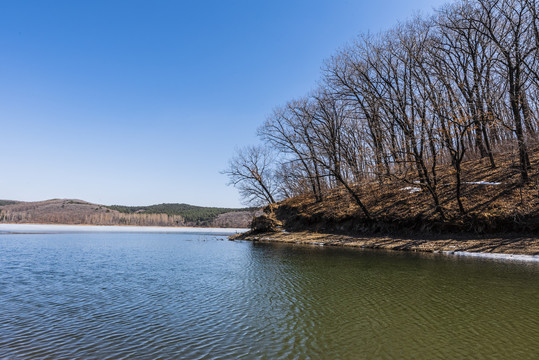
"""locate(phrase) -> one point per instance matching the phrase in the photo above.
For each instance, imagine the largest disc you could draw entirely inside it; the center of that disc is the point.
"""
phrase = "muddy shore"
(491, 244)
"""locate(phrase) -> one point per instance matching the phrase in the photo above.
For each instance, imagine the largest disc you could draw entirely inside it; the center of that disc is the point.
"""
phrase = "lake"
(67, 293)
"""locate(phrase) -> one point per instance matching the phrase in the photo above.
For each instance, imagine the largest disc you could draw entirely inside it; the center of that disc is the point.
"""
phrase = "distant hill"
(74, 211)
(197, 215)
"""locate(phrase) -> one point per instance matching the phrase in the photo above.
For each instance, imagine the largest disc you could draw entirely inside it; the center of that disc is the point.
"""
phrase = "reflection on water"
(199, 296)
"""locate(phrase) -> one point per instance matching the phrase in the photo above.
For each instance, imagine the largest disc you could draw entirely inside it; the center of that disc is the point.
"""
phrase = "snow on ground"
(411, 189)
(482, 183)
(39, 228)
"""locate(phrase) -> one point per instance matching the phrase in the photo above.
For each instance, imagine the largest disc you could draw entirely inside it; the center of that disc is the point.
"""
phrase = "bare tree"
(329, 117)
(464, 60)
(251, 170)
(506, 23)
(290, 131)
(395, 106)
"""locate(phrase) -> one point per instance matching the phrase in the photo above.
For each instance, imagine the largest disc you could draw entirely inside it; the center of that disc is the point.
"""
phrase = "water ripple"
(163, 296)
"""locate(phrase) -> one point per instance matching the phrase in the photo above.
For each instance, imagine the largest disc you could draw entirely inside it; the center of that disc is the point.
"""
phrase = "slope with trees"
(437, 105)
(70, 211)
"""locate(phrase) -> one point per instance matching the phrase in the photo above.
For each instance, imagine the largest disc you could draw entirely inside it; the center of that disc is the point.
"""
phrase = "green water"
(200, 296)
(398, 305)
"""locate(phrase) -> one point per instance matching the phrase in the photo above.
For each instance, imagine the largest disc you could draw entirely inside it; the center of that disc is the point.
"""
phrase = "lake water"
(151, 295)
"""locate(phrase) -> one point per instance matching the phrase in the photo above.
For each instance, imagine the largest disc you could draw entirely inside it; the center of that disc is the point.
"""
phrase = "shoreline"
(32, 227)
(496, 246)
(123, 225)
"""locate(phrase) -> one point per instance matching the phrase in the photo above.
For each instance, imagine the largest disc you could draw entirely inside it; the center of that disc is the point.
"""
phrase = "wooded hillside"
(435, 106)
(197, 215)
(70, 211)
(495, 199)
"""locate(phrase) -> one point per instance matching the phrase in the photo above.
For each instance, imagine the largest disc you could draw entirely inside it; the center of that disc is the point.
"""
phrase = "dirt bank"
(502, 244)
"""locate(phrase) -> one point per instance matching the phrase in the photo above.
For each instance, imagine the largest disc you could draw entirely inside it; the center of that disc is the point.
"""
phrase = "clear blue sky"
(143, 102)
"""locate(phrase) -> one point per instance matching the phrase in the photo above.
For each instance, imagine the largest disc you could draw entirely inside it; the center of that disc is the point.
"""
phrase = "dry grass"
(489, 208)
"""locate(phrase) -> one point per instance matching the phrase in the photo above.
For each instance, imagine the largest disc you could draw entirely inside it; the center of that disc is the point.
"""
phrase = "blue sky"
(143, 102)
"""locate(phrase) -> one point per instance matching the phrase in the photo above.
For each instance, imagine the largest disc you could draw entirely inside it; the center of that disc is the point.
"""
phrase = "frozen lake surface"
(45, 228)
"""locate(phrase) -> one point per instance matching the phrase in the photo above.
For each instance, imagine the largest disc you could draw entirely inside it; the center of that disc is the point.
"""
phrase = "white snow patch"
(39, 228)
(482, 183)
(411, 189)
(510, 257)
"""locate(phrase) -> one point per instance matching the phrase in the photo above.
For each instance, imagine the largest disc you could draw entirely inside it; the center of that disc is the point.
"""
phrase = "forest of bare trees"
(99, 218)
(434, 91)
(73, 211)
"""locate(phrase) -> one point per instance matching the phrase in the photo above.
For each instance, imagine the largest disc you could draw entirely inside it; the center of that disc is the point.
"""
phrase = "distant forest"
(73, 211)
(197, 215)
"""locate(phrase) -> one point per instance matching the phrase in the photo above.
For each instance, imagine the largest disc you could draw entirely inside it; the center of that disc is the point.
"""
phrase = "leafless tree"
(290, 130)
(507, 25)
(330, 116)
(251, 170)
(461, 84)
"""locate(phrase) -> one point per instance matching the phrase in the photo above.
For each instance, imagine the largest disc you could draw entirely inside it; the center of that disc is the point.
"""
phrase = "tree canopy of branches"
(460, 84)
(252, 172)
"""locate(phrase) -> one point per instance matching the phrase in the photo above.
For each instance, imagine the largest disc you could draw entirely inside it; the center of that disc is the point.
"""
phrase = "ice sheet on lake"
(39, 228)
(496, 256)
